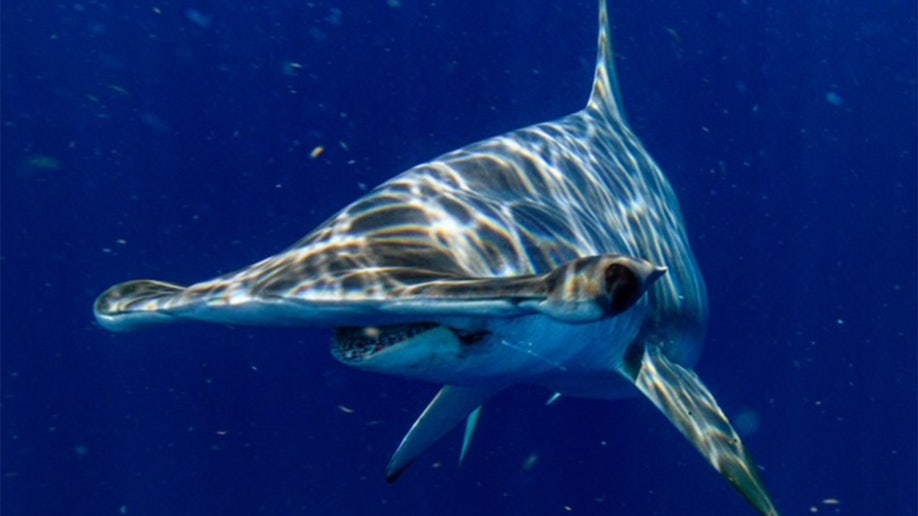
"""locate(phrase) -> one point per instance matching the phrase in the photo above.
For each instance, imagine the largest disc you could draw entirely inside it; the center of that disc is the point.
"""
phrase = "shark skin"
(553, 255)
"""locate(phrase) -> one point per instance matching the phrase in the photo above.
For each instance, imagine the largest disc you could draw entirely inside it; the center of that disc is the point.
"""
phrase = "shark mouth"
(355, 343)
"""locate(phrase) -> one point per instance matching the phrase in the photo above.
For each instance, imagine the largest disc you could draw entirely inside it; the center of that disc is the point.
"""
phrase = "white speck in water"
(746, 422)
(530, 461)
(196, 17)
(834, 98)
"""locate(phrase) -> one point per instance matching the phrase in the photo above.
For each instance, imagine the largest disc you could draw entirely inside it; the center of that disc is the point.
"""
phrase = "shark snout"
(648, 273)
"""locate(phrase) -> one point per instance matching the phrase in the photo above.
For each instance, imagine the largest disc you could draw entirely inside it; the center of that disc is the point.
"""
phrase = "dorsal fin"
(605, 96)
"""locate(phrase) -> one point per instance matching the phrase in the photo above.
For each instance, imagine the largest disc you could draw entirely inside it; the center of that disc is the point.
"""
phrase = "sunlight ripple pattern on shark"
(553, 255)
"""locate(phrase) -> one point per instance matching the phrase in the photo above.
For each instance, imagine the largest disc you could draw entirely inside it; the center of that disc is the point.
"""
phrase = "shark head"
(583, 291)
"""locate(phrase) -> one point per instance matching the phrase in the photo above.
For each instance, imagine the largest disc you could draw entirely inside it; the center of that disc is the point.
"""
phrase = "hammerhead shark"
(553, 255)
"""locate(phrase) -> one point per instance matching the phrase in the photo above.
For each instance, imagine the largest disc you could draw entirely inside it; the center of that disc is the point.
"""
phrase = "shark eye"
(622, 286)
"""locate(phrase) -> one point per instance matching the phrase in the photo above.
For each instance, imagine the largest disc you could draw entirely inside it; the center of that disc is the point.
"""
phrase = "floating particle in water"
(316, 152)
(43, 162)
(829, 502)
(676, 38)
(318, 34)
(334, 16)
(154, 122)
(39, 167)
(834, 98)
(530, 461)
(291, 69)
(117, 88)
(345, 409)
(746, 422)
(197, 17)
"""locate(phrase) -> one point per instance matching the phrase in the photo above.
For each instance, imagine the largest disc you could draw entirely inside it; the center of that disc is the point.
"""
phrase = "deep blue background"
(172, 140)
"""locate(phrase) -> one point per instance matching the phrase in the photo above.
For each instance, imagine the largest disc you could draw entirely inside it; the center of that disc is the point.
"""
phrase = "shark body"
(553, 255)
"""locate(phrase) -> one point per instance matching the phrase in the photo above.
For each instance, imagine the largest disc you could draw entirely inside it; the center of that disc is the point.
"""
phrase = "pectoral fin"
(471, 424)
(679, 394)
(444, 412)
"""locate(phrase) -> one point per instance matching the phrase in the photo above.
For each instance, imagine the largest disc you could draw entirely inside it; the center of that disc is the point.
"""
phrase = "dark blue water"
(173, 139)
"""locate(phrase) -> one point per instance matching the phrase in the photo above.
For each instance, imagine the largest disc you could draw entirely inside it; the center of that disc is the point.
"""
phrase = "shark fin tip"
(392, 475)
(134, 304)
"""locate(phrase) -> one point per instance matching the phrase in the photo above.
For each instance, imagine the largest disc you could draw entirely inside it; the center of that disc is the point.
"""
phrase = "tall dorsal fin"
(605, 96)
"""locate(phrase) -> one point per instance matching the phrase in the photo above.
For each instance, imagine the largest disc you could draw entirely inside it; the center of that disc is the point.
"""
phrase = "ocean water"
(178, 140)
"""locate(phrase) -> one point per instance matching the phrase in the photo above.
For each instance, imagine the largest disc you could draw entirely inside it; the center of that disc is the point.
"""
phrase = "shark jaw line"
(357, 346)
